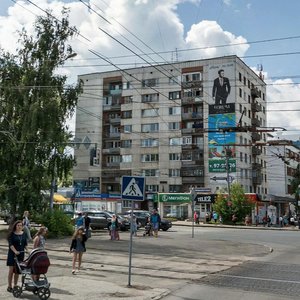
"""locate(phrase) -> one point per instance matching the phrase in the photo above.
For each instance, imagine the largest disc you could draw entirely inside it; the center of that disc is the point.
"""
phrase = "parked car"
(165, 224)
(101, 220)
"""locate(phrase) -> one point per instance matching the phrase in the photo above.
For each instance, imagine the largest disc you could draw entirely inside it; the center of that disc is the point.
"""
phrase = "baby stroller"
(33, 271)
(148, 229)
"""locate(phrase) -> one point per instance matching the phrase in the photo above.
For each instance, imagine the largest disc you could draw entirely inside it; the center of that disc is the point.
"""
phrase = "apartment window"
(112, 144)
(152, 187)
(240, 77)
(151, 112)
(149, 157)
(150, 98)
(126, 143)
(187, 140)
(175, 110)
(246, 158)
(150, 82)
(113, 159)
(187, 156)
(241, 108)
(189, 125)
(107, 100)
(149, 143)
(127, 128)
(245, 81)
(174, 156)
(191, 77)
(240, 92)
(126, 158)
(174, 172)
(175, 141)
(154, 127)
(249, 84)
(241, 156)
(174, 125)
(199, 141)
(114, 129)
(128, 99)
(126, 85)
(114, 116)
(150, 172)
(175, 80)
(127, 114)
(174, 188)
(174, 95)
(192, 172)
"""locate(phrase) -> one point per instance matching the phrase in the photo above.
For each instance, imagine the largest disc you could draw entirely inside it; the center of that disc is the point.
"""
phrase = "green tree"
(34, 105)
(237, 204)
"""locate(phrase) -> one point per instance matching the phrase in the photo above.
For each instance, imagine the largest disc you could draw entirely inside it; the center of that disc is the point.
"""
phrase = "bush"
(58, 224)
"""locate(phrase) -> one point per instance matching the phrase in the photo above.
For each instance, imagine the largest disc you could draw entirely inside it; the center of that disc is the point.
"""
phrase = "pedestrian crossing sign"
(133, 188)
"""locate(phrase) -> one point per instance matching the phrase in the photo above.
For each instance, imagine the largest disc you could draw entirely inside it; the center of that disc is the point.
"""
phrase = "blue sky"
(182, 24)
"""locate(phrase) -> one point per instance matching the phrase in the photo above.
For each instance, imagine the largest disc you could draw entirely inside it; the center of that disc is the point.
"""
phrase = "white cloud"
(209, 33)
(286, 92)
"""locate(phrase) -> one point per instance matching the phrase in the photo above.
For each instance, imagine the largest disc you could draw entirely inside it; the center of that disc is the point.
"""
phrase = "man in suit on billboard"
(221, 88)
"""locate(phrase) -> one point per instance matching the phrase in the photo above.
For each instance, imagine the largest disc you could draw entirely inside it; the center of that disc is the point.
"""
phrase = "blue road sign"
(133, 188)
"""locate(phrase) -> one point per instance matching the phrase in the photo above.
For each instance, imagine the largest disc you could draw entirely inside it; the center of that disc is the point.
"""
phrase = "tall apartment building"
(163, 122)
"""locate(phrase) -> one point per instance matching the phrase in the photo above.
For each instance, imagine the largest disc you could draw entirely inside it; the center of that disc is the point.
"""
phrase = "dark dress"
(19, 241)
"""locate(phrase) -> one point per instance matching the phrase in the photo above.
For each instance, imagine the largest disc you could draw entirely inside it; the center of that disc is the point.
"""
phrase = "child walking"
(77, 248)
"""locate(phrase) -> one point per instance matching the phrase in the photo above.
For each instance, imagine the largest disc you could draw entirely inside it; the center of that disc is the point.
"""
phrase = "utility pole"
(228, 155)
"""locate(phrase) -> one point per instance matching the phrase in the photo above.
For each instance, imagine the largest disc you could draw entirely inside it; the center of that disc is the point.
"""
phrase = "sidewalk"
(218, 225)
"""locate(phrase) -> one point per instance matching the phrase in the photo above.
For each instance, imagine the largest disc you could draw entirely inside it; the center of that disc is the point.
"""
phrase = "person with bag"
(26, 225)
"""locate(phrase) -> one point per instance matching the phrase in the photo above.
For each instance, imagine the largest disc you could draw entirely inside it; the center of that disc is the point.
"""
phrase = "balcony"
(254, 93)
(255, 136)
(255, 122)
(256, 151)
(256, 167)
(111, 151)
(187, 130)
(191, 116)
(192, 84)
(255, 107)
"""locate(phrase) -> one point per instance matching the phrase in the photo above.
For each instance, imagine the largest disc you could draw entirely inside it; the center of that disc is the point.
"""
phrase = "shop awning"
(57, 198)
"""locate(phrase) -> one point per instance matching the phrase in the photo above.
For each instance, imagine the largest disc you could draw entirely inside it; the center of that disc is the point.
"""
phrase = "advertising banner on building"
(221, 144)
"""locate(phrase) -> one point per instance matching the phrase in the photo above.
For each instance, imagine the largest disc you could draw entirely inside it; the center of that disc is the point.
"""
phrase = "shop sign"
(205, 198)
(184, 197)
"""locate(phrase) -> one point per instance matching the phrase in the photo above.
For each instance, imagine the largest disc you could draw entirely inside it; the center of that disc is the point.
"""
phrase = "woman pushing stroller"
(17, 243)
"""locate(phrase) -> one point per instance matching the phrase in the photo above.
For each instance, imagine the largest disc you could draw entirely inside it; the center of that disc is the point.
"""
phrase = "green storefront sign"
(219, 165)
(184, 197)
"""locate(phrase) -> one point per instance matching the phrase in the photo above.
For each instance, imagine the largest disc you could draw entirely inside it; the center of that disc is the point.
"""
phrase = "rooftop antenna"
(260, 69)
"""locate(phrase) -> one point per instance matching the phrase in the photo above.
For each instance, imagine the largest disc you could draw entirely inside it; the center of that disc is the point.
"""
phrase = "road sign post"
(133, 189)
